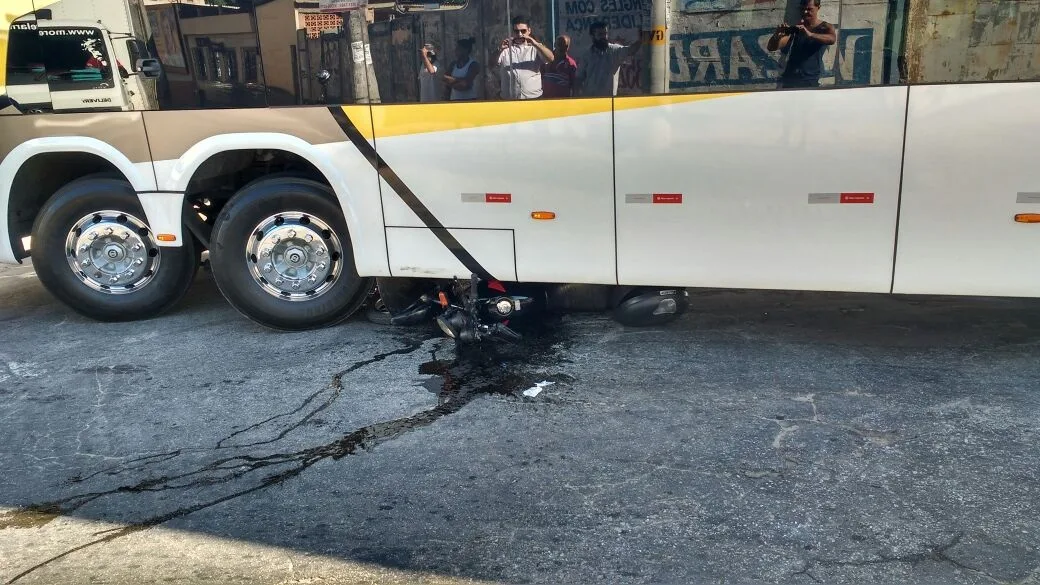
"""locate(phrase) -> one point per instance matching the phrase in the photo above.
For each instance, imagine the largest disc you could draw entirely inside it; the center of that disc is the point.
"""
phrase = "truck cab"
(76, 66)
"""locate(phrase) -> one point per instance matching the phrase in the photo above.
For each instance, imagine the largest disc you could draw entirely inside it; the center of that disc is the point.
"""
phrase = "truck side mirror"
(150, 68)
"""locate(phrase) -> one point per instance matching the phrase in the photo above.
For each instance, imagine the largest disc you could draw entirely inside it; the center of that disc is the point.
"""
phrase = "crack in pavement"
(336, 385)
(789, 426)
(495, 376)
(936, 553)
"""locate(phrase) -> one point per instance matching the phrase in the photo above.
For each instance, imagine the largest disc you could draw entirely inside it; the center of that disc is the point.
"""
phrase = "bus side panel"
(789, 190)
(971, 166)
(493, 249)
(489, 165)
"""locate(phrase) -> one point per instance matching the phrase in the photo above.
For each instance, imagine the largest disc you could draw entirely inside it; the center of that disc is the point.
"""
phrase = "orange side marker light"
(443, 299)
(543, 215)
(166, 237)
(1028, 218)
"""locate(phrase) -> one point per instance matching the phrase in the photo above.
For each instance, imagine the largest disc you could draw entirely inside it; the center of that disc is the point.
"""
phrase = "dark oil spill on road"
(499, 369)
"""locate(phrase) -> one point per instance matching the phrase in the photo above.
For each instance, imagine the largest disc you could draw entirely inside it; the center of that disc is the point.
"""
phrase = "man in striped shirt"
(558, 76)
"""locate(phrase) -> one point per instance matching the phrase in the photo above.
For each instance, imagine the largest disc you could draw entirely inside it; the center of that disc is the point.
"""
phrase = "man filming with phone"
(520, 59)
(804, 43)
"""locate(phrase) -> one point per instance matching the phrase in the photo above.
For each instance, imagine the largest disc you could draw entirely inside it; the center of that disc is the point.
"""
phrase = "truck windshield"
(67, 59)
(25, 56)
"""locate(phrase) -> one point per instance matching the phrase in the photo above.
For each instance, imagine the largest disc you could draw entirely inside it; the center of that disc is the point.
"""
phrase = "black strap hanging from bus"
(406, 194)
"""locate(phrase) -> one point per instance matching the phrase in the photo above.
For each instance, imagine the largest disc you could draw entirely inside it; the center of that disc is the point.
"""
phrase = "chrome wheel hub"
(112, 252)
(294, 256)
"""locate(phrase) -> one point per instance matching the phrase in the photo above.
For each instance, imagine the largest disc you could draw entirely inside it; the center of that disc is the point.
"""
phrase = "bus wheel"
(281, 255)
(94, 251)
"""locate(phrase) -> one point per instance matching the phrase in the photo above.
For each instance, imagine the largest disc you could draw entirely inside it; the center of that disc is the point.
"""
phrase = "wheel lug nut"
(266, 252)
(86, 262)
(322, 266)
(139, 261)
(268, 267)
(130, 272)
(93, 236)
(84, 248)
(136, 248)
(309, 238)
(109, 231)
(296, 285)
(114, 279)
(278, 281)
(291, 234)
(313, 278)
(320, 251)
(125, 235)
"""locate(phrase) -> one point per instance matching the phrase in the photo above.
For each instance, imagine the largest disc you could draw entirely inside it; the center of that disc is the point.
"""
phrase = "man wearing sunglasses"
(520, 59)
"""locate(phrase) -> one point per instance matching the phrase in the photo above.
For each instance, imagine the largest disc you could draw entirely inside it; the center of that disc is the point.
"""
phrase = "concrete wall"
(973, 40)
(277, 23)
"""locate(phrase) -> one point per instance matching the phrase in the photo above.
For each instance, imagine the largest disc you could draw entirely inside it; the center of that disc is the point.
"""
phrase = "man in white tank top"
(461, 82)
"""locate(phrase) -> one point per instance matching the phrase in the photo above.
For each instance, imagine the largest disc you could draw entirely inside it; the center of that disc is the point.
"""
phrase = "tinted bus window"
(310, 57)
(775, 45)
(973, 42)
(485, 51)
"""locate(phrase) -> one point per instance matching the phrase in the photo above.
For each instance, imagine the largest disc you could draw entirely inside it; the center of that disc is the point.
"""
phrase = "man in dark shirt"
(558, 77)
(804, 43)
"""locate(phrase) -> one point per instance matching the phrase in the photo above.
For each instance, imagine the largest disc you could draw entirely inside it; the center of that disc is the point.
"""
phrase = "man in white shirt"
(520, 61)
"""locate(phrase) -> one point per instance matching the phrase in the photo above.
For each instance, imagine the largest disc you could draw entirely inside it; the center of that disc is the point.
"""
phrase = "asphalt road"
(765, 438)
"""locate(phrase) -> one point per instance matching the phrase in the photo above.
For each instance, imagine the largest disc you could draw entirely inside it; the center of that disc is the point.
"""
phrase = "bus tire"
(282, 256)
(117, 275)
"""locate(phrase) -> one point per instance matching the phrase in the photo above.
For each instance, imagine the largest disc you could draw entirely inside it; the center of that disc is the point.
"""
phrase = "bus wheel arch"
(217, 169)
(39, 178)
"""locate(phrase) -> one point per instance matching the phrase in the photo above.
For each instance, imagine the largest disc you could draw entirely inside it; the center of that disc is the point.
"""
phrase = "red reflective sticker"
(667, 197)
(857, 197)
(498, 198)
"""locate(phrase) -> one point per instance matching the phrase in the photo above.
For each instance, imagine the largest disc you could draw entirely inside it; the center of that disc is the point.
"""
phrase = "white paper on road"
(536, 389)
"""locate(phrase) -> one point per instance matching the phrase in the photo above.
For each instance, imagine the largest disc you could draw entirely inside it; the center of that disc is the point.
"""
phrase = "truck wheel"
(281, 255)
(93, 250)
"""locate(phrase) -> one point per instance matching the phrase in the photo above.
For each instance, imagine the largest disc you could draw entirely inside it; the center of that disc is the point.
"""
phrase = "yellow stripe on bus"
(407, 119)
(361, 117)
(653, 101)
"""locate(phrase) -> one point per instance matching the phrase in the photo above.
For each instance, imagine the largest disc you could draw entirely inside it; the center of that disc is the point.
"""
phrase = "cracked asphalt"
(765, 438)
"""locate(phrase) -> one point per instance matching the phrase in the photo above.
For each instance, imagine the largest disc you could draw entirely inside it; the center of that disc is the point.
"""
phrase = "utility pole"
(659, 47)
(366, 88)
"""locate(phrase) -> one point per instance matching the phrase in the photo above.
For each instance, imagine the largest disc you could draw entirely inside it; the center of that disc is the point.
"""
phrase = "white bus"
(897, 163)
